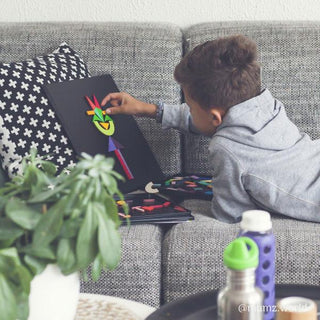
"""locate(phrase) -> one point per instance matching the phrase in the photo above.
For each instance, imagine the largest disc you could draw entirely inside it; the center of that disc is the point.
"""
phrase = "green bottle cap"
(242, 253)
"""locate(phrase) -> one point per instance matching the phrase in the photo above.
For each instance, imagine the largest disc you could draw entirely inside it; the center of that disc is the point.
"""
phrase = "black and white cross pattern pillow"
(26, 117)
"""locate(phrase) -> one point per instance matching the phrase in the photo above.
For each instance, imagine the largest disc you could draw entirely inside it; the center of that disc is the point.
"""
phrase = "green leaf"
(72, 199)
(9, 260)
(39, 252)
(6, 243)
(84, 275)
(87, 247)
(22, 299)
(49, 167)
(2, 203)
(97, 267)
(111, 209)
(110, 183)
(76, 213)
(118, 175)
(88, 194)
(36, 265)
(30, 176)
(9, 230)
(109, 240)
(66, 255)
(70, 228)
(42, 181)
(86, 156)
(98, 189)
(45, 195)
(48, 227)
(24, 278)
(21, 214)
(8, 306)
(93, 173)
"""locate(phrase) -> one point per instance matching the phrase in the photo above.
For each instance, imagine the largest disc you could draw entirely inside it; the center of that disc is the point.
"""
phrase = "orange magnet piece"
(105, 125)
(91, 112)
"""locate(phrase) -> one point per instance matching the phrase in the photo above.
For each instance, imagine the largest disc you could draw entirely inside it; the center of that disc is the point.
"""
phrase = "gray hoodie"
(260, 160)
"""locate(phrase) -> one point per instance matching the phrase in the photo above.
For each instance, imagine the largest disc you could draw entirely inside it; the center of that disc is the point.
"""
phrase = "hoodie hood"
(260, 122)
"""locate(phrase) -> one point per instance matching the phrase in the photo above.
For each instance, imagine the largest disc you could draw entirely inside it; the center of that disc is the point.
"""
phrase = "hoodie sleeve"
(178, 117)
(230, 198)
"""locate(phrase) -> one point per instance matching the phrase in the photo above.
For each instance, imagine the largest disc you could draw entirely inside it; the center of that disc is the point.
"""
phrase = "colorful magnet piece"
(138, 208)
(91, 104)
(98, 114)
(124, 215)
(149, 201)
(105, 125)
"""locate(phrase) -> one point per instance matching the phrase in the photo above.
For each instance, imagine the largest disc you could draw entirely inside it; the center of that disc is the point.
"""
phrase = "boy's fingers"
(113, 110)
(111, 96)
(115, 103)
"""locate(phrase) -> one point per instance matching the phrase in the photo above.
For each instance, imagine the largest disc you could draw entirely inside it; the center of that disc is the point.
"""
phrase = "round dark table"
(203, 306)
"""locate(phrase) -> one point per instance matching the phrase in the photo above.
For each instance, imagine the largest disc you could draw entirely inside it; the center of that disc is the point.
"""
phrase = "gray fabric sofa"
(162, 263)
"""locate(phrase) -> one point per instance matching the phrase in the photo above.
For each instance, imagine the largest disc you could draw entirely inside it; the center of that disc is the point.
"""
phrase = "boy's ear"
(217, 116)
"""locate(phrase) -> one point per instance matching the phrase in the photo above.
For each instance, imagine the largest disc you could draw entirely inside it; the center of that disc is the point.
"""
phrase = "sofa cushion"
(138, 276)
(26, 117)
(141, 57)
(192, 252)
(290, 61)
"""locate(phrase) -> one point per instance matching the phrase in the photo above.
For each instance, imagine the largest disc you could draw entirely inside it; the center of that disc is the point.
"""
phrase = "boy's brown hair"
(221, 73)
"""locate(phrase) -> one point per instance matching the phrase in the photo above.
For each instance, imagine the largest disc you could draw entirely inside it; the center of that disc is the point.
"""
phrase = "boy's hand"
(124, 103)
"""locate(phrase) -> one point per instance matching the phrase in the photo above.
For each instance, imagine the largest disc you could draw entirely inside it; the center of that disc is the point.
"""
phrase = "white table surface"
(96, 307)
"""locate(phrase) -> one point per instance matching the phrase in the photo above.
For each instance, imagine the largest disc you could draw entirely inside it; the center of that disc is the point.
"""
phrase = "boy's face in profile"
(206, 120)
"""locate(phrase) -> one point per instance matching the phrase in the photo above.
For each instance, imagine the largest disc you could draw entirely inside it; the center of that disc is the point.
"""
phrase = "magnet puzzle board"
(151, 208)
(68, 100)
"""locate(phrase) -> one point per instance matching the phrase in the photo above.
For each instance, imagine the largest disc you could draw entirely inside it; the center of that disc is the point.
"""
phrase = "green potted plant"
(70, 220)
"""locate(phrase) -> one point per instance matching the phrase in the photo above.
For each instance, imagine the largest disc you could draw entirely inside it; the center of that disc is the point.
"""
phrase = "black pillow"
(26, 116)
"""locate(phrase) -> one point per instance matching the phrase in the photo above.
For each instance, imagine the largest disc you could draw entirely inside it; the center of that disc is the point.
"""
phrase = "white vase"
(53, 295)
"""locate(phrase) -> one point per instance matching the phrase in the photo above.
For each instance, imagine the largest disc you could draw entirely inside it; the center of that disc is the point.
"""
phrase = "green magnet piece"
(95, 118)
(107, 118)
(203, 183)
(98, 113)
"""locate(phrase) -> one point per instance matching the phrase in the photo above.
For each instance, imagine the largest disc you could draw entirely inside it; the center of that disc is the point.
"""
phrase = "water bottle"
(256, 224)
(241, 299)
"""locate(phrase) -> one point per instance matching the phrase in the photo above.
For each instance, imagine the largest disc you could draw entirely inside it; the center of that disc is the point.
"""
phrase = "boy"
(259, 157)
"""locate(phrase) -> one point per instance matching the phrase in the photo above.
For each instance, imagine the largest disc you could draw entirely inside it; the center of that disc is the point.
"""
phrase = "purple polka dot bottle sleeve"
(256, 224)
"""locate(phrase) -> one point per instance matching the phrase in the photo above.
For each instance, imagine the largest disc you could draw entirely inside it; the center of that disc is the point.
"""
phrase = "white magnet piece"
(148, 188)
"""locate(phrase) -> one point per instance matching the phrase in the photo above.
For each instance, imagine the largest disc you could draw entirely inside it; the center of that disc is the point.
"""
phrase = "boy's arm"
(230, 198)
(178, 117)
(172, 116)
